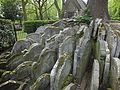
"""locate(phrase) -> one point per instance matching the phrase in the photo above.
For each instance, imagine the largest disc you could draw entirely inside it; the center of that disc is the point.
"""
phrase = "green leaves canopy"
(114, 9)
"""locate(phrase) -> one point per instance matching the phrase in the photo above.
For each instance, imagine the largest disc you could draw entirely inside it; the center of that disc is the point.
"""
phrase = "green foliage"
(114, 9)
(10, 9)
(5, 22)
(21, 35)
(68, 80)
(84, 19)
(49, 11)
(7, 37)
(31, 26)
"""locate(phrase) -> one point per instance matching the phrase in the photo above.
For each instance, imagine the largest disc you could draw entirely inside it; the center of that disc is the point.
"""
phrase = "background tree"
(40, 5)
(24, 3)
(43, 9)
(59, 10)
(10, 9)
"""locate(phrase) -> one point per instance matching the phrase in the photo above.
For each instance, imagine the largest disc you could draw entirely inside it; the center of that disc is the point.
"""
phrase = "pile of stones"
(65, 56)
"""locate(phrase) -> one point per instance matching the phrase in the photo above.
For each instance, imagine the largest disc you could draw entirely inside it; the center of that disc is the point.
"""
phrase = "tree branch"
(48, 8)
(56, 5)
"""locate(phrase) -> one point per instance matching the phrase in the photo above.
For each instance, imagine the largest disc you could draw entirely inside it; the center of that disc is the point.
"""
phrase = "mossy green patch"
(68, 80)
(1, 72)
(109, 88)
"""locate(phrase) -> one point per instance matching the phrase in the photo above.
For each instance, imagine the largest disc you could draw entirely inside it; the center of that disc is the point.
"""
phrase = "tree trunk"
(60, 13)
(24, 10)
(40, 11)
(99, 9)
(36, 12)
(14, 30)
(63, 8)
(46, 13)
(41, 15)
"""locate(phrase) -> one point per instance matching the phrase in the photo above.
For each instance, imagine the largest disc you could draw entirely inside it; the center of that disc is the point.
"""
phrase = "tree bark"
(36, 12)
(60, 12)
(40, 11)
(99, 9)
(41, 4)
(24, 9)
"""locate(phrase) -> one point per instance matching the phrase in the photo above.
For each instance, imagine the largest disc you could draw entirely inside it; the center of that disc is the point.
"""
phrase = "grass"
(21, 35)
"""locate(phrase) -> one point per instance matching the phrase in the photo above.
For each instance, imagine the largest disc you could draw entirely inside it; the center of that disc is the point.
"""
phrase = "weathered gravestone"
(33, 52)
(40, 30)
(117, 52)
(106, 67)
(115, 74)
(50, 31)
(60, 71)
(10, 85)
(21, 45)
(82, 60)
(14, 61)
(95, 76)
(34, 37)
(67, 46)
(22, 71)
(71, 86)
(45, 63)
(41, 83)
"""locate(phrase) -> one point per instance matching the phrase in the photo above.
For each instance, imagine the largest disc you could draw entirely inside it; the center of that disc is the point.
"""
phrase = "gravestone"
(71, 86)
(34, 36)
(9, 85)
(21, 45)
(67, 46)
(95, 76)
(115, 74)
(22, 71)
(41, 83)
(60, 71)
(33, 52)
(83, 59)
(45, 63)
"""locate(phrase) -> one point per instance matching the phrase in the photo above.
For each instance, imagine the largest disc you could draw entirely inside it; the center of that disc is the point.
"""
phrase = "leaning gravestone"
(117, 53)
(83, 59)
(106, 68)
(102, 58)
(20, 45)
(60, 71)
(52, 43)
(69, 31)
(71, 86)
(41, 83)
(45, 62)
(61, 24)
(76, 57)
(11, 85)
(40, 30)
(33, 52)
(14, 61)
(22, 71)
(67, 46)
(50, 31)
(95, 76)
(115, 74)
(34, 37)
